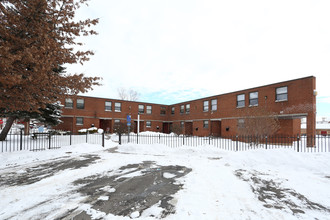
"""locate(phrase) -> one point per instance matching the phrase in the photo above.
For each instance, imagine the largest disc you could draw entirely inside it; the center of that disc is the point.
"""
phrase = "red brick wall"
(301, 101)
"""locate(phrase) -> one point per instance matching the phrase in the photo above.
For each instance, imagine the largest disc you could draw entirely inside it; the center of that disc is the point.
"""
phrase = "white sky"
(177, 50)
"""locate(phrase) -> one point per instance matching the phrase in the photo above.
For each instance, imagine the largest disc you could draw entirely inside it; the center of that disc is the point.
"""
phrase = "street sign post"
(128, 119)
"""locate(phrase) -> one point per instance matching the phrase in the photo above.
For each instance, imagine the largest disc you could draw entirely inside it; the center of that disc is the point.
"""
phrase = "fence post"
(86, 135)
(50, 140)
(236, 142)
(70, 138)
(103, 139)
(298, 138)
(266, 141)
(137, 138)
(21, 140)
(183, 139)
(209, 140)
(119, 138)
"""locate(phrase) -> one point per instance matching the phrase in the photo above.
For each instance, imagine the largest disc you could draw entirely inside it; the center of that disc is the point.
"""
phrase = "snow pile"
(255, 184)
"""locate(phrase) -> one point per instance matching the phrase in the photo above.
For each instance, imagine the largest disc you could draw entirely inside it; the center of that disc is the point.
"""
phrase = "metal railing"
(298, 143)
(47, 140)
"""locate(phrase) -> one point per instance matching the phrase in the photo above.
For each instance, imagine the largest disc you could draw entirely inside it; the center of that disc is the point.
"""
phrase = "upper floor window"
(206, 124)
(172, 110)
(214, 103)
(141, 109)
(162, 110)
(117, 107)
(187, 108)
(241, 100)
(79, 121)
(182, 109)
(68, 103)
(148, 124)
(205, 106)
(80, 104)
(108, 106)
(253, 98)
(149, 109)
(282, 93)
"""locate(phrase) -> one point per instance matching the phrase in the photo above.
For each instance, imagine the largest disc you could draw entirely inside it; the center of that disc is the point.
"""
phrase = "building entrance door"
(105, 124)
(216, 128)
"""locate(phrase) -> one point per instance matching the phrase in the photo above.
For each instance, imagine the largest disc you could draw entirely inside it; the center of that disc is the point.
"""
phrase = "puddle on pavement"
(132, 189)
(34, 174)
(273, 195)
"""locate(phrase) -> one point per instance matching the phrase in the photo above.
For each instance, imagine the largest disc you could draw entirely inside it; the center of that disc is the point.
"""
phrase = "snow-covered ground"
(254, 184)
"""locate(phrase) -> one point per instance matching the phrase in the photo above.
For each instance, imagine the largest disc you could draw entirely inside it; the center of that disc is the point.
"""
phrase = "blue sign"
(128, 118)
(128, 123)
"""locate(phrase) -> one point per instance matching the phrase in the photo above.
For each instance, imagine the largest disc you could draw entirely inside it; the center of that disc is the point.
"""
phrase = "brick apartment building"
(218, 115)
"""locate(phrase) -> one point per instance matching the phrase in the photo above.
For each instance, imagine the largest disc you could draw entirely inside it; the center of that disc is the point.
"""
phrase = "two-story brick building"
(218, 115)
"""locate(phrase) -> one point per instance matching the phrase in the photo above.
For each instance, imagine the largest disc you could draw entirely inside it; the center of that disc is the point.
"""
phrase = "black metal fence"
(298, 143)
(47, 140)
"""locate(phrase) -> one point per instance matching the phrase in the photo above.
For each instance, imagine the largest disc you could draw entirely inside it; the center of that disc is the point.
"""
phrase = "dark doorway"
(188, 128)
(141, 126)
(105, 124)
(216, 128)
(167, 127)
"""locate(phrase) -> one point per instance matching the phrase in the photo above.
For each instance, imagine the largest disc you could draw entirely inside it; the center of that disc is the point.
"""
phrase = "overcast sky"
(178, 50)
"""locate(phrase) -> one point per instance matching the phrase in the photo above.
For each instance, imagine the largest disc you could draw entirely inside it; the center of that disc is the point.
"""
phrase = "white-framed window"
(214, 104)
(241, 123)
(117, 107)
(149, 109)
(187, 108)
(240, 100)
(205, 124)
(162, 110)
(253, 98)
(182, 124)
(205, 106)
(172, 110)
(108, 106)
(79, 121)
(68, 103)
(182, 109)
(141, 109)
(80, 103)
(148, 124)
(282, 93)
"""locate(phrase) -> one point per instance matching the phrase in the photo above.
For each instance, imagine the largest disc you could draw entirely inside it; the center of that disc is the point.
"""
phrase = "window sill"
(240, 106)
(68, 107)
(253, 105)
(108, 110)
(284, 100)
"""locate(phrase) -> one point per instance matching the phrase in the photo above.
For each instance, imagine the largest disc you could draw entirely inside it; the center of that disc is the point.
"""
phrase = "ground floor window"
(79, 121)
(148, 124)
(206, 124)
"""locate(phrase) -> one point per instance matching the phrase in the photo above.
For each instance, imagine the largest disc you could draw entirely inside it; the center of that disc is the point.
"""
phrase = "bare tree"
(128, 95)
(177, 129)
(258, 121)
